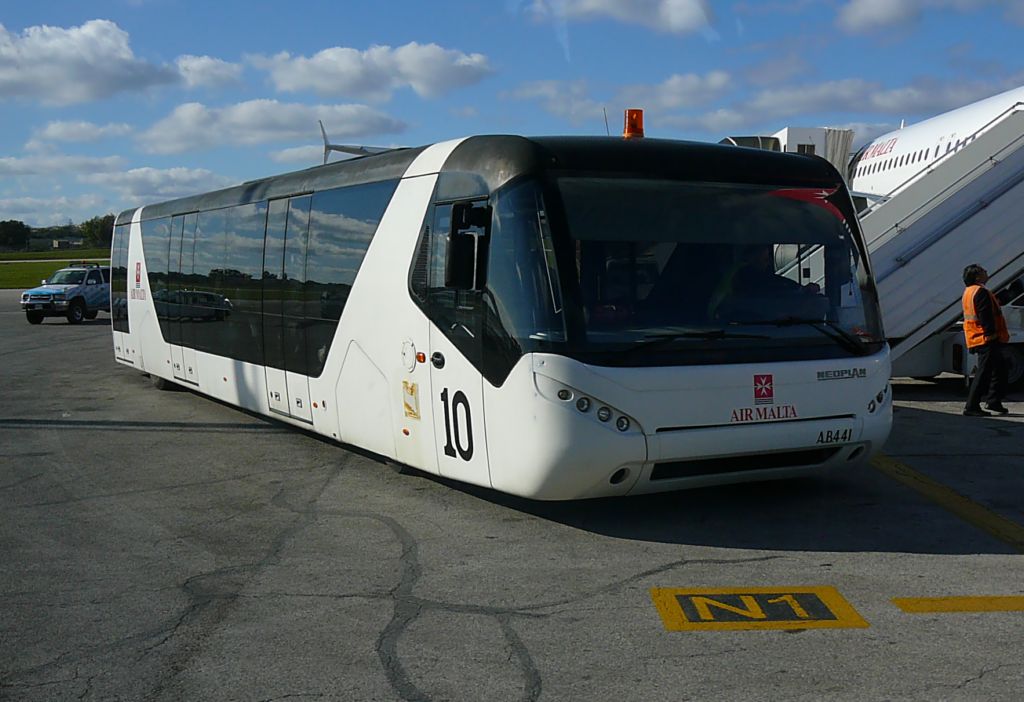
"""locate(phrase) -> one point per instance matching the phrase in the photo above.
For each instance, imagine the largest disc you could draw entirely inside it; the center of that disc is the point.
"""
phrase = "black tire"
(162, 383)
(91, 314)
(34, 317)
(76, 312)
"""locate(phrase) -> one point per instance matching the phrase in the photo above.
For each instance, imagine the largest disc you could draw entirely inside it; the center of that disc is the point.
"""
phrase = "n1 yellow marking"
(936, 605)
(732, 609)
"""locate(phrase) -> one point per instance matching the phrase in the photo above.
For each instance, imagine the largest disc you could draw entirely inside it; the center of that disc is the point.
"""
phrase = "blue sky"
(110, 104)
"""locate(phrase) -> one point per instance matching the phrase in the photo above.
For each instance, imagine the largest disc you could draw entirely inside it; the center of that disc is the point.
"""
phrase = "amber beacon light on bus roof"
(634, 128)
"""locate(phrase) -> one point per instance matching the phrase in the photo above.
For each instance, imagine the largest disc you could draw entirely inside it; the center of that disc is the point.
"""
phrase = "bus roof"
(481, 164)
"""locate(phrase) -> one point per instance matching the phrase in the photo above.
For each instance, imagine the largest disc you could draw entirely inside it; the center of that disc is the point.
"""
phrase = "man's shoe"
(996, 407)
(976, 412)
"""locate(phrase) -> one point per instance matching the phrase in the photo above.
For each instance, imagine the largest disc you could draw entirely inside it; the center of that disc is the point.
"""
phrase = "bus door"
(188, 317)
(456, 386)
(284, 334)
(172, 332)
(122, 280)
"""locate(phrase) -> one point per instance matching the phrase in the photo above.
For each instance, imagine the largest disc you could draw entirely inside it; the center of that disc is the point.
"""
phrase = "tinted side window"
(156, 235)
(207, 264)
(119, 280)
(237, 301)
(342, 224)
(457, 313)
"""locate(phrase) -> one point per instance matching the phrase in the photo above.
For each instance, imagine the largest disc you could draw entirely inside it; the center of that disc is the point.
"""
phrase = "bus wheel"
(34, 317)
(400, 468)
(163, 383)
(76, 312)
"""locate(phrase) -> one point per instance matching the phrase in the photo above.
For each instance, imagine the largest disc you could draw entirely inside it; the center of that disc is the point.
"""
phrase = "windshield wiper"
(826, 326)
(652, 341)
(706, 334)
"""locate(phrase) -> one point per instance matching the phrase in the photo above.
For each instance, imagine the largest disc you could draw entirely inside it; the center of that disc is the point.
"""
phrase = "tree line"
(97, 232)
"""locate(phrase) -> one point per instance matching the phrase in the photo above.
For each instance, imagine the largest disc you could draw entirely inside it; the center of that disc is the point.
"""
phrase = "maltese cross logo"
(764, 389)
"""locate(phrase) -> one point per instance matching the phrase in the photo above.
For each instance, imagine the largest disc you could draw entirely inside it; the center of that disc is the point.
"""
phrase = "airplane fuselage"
(895, 159)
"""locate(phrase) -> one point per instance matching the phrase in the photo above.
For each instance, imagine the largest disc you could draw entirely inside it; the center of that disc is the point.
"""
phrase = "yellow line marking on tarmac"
(1006, 530)
(936, 605)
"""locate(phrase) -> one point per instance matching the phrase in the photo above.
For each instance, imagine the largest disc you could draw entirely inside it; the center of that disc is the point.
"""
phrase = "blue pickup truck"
(77, 292)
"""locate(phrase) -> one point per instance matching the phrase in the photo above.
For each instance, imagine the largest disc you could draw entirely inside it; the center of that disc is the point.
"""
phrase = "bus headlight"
(585, 404)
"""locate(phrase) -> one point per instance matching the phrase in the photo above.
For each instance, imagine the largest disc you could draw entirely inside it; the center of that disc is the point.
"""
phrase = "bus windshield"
(656, 272)
(751, 271)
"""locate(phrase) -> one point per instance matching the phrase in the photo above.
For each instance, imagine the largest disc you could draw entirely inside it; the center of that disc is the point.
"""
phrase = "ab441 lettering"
(835, 437)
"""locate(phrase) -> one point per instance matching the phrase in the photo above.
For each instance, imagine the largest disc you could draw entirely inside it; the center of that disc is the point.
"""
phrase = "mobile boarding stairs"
(966, 207)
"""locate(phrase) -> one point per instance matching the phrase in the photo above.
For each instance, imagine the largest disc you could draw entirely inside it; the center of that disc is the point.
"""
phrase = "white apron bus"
(555, 317)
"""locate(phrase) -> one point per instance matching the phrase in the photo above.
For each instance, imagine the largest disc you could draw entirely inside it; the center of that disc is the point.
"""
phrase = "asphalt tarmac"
(163, 546)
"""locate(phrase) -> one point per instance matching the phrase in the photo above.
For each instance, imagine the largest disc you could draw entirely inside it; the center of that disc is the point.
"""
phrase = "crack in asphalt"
(982, 673)
(408, 607)
(161, 488)
(213, 594)
(16, 483)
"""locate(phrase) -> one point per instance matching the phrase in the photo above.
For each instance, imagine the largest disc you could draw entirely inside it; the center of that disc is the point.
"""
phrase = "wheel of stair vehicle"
(1015, 366)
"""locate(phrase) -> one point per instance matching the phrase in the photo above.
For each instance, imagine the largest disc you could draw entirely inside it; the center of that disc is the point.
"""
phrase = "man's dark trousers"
(990, 376)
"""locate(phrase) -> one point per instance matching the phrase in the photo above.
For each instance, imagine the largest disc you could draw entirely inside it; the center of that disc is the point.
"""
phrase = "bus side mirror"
(466, 262)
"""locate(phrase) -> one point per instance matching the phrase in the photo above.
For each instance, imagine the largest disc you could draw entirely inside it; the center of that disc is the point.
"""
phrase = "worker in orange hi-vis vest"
(986, 335)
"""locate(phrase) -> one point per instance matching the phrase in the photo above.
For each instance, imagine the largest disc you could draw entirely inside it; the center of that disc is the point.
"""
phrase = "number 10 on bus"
(452, 426)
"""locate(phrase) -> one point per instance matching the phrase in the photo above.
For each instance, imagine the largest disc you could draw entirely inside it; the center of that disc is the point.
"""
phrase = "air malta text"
(880, 149)
(741, 415)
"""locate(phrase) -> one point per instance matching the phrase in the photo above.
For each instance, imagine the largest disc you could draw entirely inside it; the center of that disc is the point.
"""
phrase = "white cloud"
(141, 185)
(1015, 11)
(376, 73)
(868, 15)
(51, 164)
(207, 72)
(924, 98)
(675, 16)
(721, 122)
(312, 155)
(44, 212)
(195, 126)
(678, 91)
(81, 131)
(566, 99)
(65, 66)
(862, 16)
(849, 94)
(777, 70)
